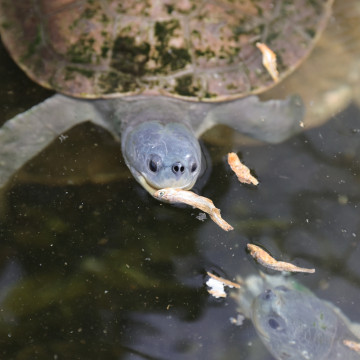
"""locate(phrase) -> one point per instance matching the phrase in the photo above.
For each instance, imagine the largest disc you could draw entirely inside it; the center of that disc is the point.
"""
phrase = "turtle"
(156, 75)
(333, 67)
(293, 323)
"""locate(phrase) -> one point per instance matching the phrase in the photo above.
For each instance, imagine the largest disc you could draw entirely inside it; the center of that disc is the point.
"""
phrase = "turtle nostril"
(268, 294)
(178, 168)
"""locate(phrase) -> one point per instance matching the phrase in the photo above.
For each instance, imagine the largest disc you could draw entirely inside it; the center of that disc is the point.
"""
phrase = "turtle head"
(162, 155)
(291, 321)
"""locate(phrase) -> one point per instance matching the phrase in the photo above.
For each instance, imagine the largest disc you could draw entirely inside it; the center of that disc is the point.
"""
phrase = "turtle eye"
(193, 167)
(153, 166)
(154, 163)
(273, 324)
(277, 323)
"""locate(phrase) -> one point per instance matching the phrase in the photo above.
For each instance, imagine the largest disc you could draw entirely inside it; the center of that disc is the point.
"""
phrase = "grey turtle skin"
(159, 135)
(293, 323)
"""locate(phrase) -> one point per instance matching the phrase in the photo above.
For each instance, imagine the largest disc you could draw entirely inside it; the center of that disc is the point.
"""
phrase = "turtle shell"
(190, 49)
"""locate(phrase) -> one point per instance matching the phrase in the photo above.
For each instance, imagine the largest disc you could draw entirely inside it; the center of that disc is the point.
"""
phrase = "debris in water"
(216, 288)
(266, 260)
(238, 321)
(352, 345)
(224, 281)
(172, 196)
(201, 216)
(242, 172)
(217, 285)
(269, 60)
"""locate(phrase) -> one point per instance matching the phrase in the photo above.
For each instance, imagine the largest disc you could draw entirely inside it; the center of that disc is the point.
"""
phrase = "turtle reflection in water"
(293, 323)
(158, 74)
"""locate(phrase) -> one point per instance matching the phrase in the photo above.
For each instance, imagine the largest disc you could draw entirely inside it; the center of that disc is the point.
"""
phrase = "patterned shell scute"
(191, 49)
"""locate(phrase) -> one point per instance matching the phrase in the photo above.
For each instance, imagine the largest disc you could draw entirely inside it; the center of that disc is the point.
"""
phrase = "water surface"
(93, 268)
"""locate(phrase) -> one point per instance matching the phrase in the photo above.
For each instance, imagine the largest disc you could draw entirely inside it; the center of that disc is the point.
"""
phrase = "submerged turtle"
(162, 73)
(293, 323)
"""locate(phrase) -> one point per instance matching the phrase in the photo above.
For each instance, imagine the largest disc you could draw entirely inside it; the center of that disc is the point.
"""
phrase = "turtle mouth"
(152, 188)
(259, 328)
(146, 185)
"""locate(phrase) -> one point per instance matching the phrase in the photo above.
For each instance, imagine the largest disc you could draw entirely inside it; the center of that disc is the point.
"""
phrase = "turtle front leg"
(271, 121)
(25, 135)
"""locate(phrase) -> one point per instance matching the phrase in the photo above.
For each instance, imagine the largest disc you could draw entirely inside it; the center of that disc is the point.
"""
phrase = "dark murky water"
(93, 268)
